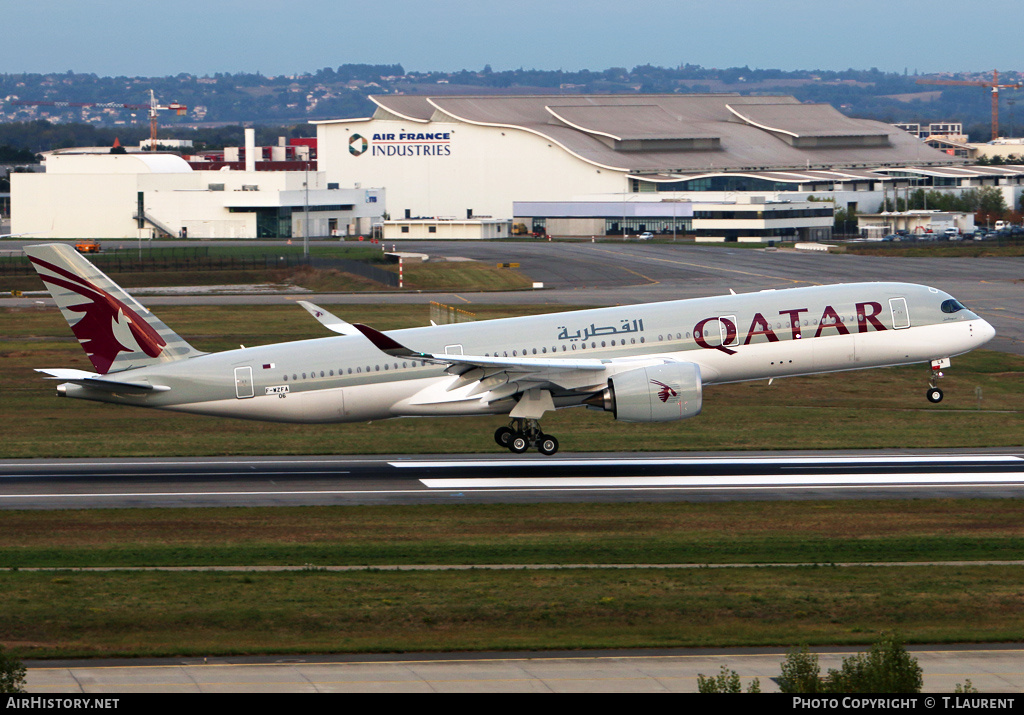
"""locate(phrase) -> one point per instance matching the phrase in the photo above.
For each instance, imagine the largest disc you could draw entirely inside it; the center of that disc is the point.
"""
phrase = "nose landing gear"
(934, 394)
(521, 434)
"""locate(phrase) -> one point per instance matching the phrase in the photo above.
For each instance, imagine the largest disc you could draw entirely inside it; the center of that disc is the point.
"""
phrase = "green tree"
(991, 200)
(12, 673)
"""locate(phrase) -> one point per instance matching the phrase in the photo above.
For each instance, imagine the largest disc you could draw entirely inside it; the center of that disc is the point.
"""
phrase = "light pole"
(305, 223)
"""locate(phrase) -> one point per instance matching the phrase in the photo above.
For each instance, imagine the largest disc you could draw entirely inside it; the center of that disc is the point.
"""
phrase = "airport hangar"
(720, 167)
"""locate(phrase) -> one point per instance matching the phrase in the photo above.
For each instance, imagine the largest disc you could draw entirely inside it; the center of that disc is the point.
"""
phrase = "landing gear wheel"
(518, 443)
(547, 445)
(934, 394)
(503, 435)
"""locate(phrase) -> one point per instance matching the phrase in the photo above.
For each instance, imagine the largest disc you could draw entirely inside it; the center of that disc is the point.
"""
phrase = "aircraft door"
(243, 383)
(727, 327)
(900, 315)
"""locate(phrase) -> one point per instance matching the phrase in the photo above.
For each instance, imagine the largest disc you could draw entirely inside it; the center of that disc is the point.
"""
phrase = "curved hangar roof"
(682, 134)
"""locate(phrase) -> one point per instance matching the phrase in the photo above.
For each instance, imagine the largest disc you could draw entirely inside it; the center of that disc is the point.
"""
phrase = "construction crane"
(178, 109)
(994, 84)
(152, 108)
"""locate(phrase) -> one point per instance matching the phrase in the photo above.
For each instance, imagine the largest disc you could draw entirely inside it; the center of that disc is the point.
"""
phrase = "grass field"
(71, 613)
(471, 276)
(733, 532)
(868, 409)
(75, 614)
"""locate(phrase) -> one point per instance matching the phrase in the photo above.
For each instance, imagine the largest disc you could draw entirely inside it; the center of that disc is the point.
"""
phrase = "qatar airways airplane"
(642, 363)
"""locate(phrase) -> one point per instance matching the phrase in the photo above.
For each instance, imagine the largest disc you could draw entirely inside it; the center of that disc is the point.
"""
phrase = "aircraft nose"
(984, 331)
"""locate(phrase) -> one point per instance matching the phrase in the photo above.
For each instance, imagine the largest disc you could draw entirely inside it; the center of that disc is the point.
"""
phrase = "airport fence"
(189, 259)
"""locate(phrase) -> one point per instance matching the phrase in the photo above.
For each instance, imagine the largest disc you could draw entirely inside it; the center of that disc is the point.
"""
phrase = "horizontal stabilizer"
(98, 382)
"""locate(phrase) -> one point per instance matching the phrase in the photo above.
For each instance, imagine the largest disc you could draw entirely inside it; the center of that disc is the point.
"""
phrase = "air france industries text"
(412, 144)
(413, 150)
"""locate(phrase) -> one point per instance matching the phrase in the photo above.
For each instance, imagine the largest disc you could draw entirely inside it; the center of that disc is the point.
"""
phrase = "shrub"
(12, 673)
(800, 672)
(886, 668)
(727, 681)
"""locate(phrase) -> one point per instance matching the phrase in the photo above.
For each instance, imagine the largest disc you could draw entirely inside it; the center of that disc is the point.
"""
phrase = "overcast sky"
(122, 37)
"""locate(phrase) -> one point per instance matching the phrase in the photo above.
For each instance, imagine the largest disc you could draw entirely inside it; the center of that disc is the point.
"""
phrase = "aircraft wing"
(99, 382)
(497, 378)
(526, 364)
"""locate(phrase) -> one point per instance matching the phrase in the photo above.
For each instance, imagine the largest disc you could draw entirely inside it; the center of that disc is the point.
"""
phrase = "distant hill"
(254, 99)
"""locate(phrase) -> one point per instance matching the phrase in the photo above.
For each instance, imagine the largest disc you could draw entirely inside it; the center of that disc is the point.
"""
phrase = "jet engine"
(658, 393)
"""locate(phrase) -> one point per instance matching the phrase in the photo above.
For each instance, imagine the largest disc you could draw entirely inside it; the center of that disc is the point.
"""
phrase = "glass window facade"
(714, 183)
(662, 226)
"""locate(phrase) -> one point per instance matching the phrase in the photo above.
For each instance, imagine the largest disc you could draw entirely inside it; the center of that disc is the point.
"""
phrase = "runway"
(205, 482)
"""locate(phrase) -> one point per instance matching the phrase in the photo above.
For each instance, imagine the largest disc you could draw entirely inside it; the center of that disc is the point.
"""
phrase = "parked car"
(645, 236)
(952, 234)
(891, 237)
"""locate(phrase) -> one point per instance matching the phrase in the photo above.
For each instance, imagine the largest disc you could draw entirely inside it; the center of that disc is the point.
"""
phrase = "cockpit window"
(951, 306)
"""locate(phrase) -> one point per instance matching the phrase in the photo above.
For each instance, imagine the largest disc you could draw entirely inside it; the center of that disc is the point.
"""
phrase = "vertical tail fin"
(114, 335)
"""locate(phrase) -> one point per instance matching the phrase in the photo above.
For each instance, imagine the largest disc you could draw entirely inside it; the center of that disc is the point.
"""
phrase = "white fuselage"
(731, 338)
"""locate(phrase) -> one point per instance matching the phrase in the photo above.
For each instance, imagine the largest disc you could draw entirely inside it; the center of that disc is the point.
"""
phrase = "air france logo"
(665, 392)
(358, 145)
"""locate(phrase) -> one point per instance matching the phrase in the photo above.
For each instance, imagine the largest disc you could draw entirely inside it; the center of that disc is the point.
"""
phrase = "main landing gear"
(934, 394)
(521, 434)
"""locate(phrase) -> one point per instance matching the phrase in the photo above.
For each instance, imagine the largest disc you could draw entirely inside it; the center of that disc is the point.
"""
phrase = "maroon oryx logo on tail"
(665, 392)
(106, 323)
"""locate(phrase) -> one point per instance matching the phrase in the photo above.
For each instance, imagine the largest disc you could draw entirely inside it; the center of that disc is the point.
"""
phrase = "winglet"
(329, 320)
(385, 344)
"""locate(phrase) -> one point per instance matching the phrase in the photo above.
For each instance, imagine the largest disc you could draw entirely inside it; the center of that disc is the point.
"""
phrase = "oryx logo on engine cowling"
(665, 392)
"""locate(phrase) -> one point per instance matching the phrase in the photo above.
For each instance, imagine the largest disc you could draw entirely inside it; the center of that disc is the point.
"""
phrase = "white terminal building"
(720, 167)
(100, 194)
